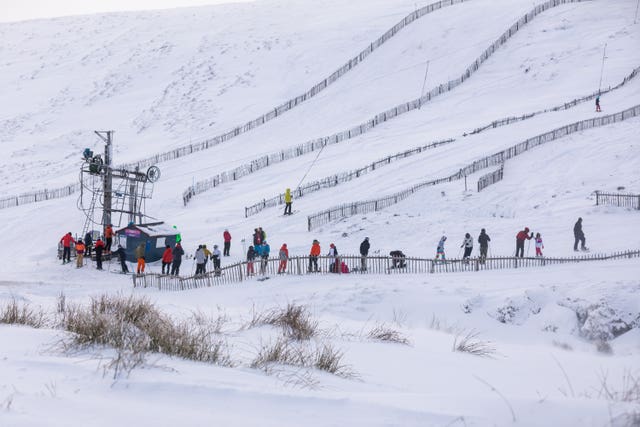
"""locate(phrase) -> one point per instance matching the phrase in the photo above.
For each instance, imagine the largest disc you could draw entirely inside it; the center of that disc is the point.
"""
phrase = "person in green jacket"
(287, 201)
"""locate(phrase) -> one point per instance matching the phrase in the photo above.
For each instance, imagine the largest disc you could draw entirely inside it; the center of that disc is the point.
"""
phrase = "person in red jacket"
(284, 256)
(227, 242)
(66, 241)
(99, 247)
(520, 238)
(167, 259)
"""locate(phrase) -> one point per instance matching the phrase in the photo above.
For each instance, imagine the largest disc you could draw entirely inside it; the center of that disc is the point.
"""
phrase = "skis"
(262, 279)
(292, 213)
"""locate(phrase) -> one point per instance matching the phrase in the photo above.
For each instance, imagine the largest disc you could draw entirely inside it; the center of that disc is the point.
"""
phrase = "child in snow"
(539, 245)
(467, 244)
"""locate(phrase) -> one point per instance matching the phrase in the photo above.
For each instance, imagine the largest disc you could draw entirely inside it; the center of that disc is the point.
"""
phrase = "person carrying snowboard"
(440, 248)
(227, 242)
(167, 259)
(99, 248)
(539, 244)
(520, 238)
(467, 244)
(122, 256)
(287, 201)
(283, 254)
(177, 259)
(484, 240)
(578, 234)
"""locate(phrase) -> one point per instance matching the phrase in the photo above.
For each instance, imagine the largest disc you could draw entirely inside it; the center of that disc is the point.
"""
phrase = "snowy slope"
(162, 78)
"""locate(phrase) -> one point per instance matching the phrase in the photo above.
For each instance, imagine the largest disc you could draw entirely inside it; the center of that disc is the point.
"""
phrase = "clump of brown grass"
(15, 313)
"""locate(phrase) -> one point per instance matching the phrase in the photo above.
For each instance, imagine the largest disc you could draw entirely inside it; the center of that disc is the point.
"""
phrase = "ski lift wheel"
(153, 173)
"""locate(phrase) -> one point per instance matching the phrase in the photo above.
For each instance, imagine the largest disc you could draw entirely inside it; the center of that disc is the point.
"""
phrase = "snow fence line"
(300, 265)
(390, 114)
(357, 208)
(333, 180)
(212, 182)
(618, 199)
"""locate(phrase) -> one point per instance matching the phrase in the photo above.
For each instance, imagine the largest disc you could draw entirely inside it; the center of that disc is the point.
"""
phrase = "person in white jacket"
(467, 244)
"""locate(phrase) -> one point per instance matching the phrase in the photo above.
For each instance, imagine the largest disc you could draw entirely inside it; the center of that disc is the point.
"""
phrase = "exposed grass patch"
(15, 313)
(385, 333)
(472, 344)
(295, 321)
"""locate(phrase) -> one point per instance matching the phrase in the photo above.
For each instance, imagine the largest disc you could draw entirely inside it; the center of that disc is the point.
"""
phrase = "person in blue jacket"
(264, 256)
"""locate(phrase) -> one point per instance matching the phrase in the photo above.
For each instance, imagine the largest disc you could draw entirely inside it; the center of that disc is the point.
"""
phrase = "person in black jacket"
(579, 236)
(484, 240)
(251, 255)
(88, 241)
(177, 259)
(122, 256)
(364, 251)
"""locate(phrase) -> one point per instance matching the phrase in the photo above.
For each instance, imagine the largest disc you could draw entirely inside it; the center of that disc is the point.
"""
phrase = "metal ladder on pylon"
(89, 218)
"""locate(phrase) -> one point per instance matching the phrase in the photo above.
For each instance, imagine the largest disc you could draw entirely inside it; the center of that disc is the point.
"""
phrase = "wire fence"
(357, 208)
(490, 178)
(350, 264)
(390, 114)
(39, 196)
(333, 180)
(631, 201)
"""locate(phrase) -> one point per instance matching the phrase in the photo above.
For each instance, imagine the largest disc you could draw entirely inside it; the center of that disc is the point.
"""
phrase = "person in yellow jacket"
(287, 201)
(207, 255)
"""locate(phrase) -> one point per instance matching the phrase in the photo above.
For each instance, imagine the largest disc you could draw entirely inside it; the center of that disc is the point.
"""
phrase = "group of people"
(84, 248)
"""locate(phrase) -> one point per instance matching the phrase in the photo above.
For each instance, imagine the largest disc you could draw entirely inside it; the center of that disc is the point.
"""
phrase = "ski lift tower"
(107, 194)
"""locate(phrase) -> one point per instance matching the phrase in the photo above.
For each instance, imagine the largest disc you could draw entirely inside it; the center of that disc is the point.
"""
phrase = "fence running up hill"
(618, 199)
(298, 266)
(390, 114)
(357, 208)
(491, 178)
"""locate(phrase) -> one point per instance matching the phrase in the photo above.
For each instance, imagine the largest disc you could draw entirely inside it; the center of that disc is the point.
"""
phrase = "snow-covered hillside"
(566, 338)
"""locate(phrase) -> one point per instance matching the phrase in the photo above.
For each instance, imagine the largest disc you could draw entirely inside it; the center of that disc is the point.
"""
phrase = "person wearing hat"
(215, 256)
(333, 253)
(364, 251)
(79, 253)
(140, 253)
(207, 254)
(520, 238)
(287, 201)
(313, 256)
(578, 234)
(265, 249)
(99, 247)
(108, 235)
(177, 259)
(227, 242)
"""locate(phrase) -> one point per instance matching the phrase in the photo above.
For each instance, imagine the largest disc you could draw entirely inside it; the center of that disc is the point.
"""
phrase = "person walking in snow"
(539, 244)
(99, 248)
(79, 253)
(215, 256)
(467, 244)
(287, 201)
(484, 240)
(283, 254)
(167, 259)
(440, 248)
(122, 256)
(251, 256)
(598, 104)
(227, 242)
(364, 251)
(140, 253)
(313, 256)
(177, 259)
(520, 238)
(67, 240)
(578, 234)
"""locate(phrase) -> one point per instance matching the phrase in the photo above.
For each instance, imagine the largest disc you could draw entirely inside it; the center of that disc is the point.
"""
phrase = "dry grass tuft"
(470, 343)
(15, 313)
(295, 321)
(385, 333)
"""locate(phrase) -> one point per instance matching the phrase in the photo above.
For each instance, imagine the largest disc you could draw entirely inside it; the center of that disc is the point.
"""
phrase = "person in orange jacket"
(284, 256)
(79, 253)
(66, 241)
(167, 259)
(108, 236)
(313, 255)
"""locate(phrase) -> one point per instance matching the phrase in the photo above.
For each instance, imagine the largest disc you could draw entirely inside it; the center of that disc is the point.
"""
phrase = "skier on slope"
(484, 240)
(287, 201)
(467, 244)
(520, 238)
